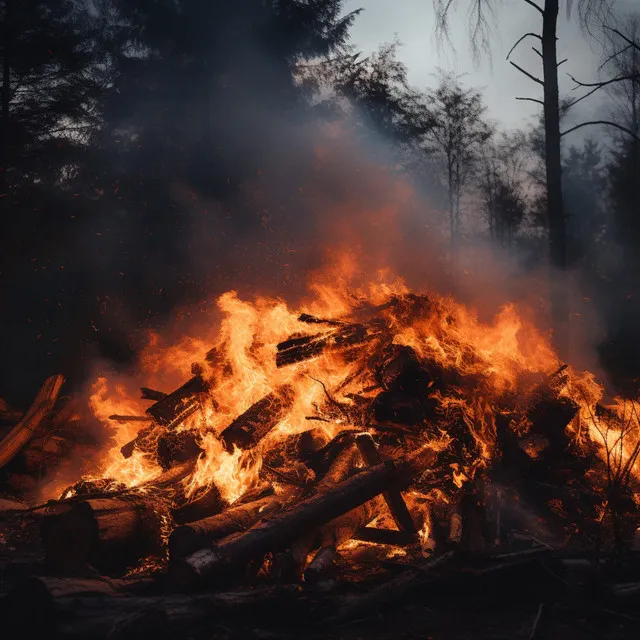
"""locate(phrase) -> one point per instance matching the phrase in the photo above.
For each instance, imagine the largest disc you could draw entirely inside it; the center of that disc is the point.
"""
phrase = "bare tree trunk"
(555, 210)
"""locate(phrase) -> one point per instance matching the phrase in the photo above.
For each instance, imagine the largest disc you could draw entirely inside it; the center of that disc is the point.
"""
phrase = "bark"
(555, 209)
(254, 424)
(177, 406)
(281, 530)
(321, 566)
(207, 503)
(107, 533)
(299, 349)
(196, 535)
(394, 499)
(18, 437)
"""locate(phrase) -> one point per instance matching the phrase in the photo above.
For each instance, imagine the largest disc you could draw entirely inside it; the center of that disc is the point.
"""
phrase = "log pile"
(399, 475)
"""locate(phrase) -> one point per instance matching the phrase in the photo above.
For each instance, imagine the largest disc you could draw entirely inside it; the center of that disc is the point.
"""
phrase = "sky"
(412, 21)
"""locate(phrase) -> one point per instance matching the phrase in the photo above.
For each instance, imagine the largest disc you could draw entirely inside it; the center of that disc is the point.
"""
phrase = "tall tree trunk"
(555, 210)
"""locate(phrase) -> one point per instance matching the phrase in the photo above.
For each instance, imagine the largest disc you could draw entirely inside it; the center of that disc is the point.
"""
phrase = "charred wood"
(282, 529)
(394, 499)
(207, 503)
(152, 394)
(196, 535)
(299, 349)
(386, 537)
(177, 406)
(254, 424)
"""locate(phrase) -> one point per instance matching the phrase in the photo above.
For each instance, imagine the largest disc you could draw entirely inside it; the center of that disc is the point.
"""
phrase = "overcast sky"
(413, 23)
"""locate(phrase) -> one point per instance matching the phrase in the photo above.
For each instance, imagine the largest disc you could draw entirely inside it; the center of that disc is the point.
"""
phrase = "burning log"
(337, 532)
(282, 529)
(152, 394)
(299, 349)
(394, 499)
(177, 406)
(107, 533)
(18, 437)
(208, 503)
(254, 424)
(196, 535)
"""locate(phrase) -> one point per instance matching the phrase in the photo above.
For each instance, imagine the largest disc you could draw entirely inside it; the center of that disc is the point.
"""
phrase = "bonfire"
(371, 427)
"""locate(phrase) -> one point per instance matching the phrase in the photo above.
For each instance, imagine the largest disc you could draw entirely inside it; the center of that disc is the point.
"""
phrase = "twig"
(526, 35)
(532, 635)
(526, 73)
(535, 6)
(532, 100)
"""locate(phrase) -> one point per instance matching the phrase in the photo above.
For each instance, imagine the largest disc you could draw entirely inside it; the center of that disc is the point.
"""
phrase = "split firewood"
(18, 437)
(254, 424)
(107, 533)
(176, 407)
(279, 531)
(303, 348)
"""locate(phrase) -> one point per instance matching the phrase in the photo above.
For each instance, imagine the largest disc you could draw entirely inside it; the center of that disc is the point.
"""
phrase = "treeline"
(117, 115)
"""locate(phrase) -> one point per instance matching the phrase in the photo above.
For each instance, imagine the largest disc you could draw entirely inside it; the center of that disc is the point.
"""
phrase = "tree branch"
(535, 6)
(607, 122)
(615, 55)
(526, 73)
(603, 83)
(538, 52)
(562, 62)
(631, 43)
(526, 35)
(532, 100)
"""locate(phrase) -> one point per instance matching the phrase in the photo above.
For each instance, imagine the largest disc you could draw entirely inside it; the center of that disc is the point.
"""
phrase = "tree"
(457, 134)
(548, 10)
(583, 188)
(502, 184)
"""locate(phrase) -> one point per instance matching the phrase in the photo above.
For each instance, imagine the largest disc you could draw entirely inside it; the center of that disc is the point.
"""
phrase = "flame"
(504, 358)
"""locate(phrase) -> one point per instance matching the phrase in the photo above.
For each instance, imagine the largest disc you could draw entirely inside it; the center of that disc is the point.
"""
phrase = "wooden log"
(254, 424)
(282, 529)
(338, 531)
(196, 535)
(289, 565)
(83, 617)
(177, 406)
(107, 533)
(152, 394)
(394, 499)
(207, 503)
(18, 437)
(299, 349)
(322, 564)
